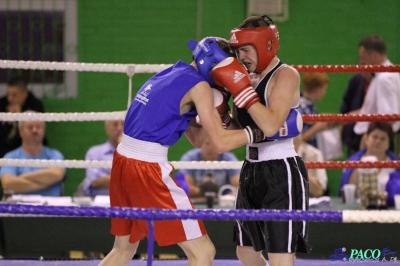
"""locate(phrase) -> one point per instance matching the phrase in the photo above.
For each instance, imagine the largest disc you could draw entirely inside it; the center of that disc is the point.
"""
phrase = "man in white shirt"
(383, 95)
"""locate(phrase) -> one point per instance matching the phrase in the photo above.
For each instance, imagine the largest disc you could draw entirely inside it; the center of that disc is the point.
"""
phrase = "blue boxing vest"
(154, 114)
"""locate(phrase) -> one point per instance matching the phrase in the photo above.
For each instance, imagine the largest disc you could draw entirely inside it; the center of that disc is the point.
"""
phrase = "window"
(40, 30)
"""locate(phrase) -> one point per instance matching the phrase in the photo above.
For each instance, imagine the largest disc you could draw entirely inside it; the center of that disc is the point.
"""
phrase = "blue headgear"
(207, 54)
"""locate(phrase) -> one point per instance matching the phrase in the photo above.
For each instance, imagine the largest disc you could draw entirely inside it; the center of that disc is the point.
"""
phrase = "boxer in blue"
(165, 108)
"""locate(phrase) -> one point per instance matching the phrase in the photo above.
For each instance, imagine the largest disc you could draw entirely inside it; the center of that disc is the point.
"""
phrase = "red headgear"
(264, 38)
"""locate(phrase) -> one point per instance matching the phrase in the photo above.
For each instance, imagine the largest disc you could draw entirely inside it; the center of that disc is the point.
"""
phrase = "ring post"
(130, 71)
(150, 243)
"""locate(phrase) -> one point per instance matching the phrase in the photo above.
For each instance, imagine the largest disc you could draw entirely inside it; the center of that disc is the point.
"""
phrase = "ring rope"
(351, 117)
(96, 116)
(346, 216)
(54, 117)
(92, 67)
(120, 115)
(347, 68)
(192, 164)
(154, 68)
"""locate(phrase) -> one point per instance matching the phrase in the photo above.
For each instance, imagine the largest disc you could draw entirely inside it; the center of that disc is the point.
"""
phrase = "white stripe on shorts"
(290, 205)
(303, 197)
(240, 234)
(191, 227)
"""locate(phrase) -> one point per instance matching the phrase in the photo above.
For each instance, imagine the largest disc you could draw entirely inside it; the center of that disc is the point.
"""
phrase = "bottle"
(393, 187)
(367, 184)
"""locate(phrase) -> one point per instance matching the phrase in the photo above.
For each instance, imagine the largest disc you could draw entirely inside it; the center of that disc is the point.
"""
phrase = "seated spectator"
(378, 139)
(314, 89)
(317, 177)
(18, 100)
(97, 180)
(33, 180)
(200, 180)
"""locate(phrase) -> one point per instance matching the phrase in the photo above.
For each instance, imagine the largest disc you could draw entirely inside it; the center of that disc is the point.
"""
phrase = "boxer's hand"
(232, 75)
(221, 98)
(254, 134)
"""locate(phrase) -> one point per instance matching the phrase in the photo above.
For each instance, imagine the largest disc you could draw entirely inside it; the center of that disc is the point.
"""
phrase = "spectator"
(18, 99)
(378, 139)
(383, 95)
(314, 89)
(195, 178)
(97, 180)
(33, 180)
(317, 177)
(351, 104)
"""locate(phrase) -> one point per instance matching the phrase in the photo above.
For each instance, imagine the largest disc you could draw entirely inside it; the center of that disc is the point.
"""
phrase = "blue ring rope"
(166, 214)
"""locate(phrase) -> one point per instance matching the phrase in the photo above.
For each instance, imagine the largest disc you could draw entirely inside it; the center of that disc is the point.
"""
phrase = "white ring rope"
(107, 164)
(91, 116)
(93, 67)
(353, 216)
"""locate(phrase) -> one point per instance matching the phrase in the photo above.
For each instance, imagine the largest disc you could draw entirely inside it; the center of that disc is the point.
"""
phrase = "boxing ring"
(382, 217)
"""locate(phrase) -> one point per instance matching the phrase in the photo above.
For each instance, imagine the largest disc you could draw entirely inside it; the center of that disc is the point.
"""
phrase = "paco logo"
(360, 255)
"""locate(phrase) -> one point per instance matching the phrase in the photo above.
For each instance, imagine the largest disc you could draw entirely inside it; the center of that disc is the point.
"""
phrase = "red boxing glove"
(221, 98)
(232, 75)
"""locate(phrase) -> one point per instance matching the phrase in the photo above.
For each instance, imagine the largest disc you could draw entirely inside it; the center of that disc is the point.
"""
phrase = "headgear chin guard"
(207, 55)
(265, 39)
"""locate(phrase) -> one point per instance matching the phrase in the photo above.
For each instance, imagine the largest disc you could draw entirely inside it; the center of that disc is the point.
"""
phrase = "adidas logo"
(238, 76)
(233, 39)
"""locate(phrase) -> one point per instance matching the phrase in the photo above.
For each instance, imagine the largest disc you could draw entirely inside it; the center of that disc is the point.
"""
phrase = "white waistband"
(273, 150)
(142, 150)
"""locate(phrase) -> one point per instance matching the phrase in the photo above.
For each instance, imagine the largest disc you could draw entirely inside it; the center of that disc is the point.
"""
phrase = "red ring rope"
(350, 118)
(353, 164)
(347, 68)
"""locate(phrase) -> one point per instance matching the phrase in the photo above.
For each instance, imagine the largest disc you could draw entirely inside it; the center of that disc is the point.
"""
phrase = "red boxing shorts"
(140, 184)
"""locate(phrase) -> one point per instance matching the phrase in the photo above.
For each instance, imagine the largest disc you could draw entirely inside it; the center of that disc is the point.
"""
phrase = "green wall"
(156, 32)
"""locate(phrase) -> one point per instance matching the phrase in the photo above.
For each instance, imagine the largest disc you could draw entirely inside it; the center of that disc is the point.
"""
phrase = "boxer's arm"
(195, 134)
(284, 94)
(221, 98)
(234, 122)
(223, 140)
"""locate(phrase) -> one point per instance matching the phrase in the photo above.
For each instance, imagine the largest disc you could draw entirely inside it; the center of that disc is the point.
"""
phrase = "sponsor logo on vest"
(142, 96)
